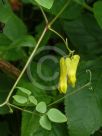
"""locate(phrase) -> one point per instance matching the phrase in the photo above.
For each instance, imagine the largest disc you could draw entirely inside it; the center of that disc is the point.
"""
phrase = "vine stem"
(72, 93)
(14, 106)
(31, 56)
(53, 20)
(60, 12)
(86, 6)
(77, 90)
(65, 41)
(24, 69)
(44, 15)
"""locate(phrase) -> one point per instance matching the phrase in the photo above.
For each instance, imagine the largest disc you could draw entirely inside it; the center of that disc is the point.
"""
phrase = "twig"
(9, 68)
(24, 69)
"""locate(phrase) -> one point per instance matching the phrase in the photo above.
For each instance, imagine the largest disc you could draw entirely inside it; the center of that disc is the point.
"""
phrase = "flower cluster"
(68, 68)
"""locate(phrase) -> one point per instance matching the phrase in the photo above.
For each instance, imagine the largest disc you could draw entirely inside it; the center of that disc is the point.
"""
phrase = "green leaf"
(31, 127)
(84, 108)
(30, 124)
(26, 41)
(5, 12)
(56, 116)
(20, 99)
(38, 93)
(14, 28)
(72, 11)
(56, 130)
(82, 33)
(13, 54)
(97, 9)
(4, 42)
(33, 100)
(45, 3)
(45, 123)
(24, 90)
(41, 107)
(80, 1)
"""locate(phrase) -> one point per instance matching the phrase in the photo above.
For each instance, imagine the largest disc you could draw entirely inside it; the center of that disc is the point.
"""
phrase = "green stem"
(58, 35)
(72, 93)
(14, 106)
(84, 5)
(65, 41)
(44, 15)
(78, 90)
(60, 12)
(89, 71)
(24, 69)
(87, 7)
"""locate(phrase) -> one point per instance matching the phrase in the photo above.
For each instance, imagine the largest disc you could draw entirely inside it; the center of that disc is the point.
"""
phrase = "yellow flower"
(63, 76)
(68, 69)
(72, 64)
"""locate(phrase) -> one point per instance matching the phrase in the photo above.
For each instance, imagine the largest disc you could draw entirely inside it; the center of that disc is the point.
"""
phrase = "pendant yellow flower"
(63, 76)
(68, 68)
(72, 64)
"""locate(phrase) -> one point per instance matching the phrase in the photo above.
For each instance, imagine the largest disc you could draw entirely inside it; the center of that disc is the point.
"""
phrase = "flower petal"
(63, 76)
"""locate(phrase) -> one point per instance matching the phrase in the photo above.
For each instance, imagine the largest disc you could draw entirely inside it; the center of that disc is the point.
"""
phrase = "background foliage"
(81, 23)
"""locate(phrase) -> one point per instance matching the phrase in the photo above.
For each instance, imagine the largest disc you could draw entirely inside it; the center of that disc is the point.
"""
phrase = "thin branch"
(65, 41)
(59, 13)
(78, 90)
(44, 15)
(57, 34)
(86, 6)
(24, 69)
(14, 106)
(72, 93)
